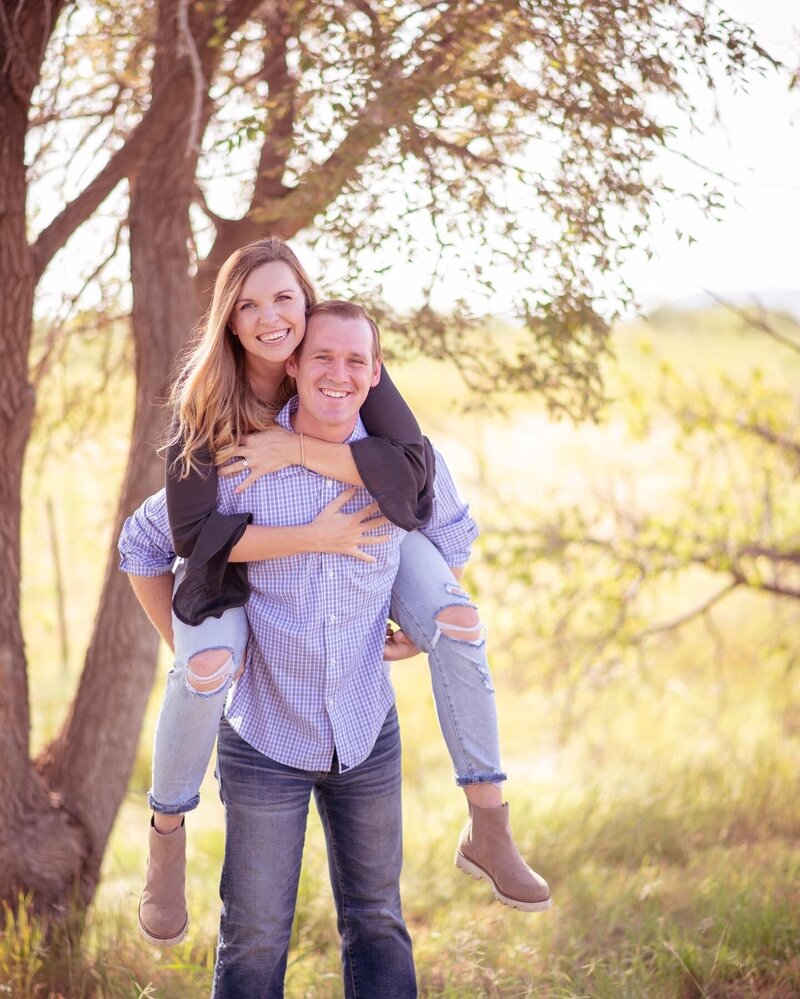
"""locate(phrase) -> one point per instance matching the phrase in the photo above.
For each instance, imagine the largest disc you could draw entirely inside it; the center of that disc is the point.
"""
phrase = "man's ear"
(376, 373)
(291, 365)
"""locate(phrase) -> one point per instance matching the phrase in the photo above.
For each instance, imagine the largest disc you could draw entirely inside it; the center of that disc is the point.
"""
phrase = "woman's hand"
(341, 533)
(263, 452)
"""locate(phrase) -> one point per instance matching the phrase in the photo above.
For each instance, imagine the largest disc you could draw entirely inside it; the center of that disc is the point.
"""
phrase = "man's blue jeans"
(266, 807)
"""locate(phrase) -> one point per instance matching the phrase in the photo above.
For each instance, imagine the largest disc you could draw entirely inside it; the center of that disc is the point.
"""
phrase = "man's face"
(334, 373)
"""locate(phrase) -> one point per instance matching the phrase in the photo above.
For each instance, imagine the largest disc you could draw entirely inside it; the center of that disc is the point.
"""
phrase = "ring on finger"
(245, 465)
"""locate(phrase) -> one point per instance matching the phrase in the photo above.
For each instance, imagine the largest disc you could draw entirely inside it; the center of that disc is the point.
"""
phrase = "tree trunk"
(56, 816)
(91, 761)
(40, 842)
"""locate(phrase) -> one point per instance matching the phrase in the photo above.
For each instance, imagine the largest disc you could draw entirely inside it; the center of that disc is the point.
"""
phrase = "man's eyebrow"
(330, 350)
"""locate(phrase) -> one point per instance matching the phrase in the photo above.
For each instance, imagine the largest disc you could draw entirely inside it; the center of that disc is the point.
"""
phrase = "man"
(314, 709)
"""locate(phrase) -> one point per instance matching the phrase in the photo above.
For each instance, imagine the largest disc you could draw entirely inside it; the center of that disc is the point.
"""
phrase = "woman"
(231, 384)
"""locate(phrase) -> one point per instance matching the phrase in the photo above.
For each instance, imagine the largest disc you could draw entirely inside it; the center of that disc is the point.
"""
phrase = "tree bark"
(40, 842)
(91, 761)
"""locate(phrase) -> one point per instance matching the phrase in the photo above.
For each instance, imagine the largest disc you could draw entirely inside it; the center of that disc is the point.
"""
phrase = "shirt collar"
(284, 419)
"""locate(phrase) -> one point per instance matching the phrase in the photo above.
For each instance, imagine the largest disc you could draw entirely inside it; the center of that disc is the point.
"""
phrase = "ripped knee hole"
(461, 622)
(210, 670)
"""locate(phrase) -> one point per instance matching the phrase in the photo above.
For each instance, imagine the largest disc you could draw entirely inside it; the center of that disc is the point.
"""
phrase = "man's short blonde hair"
(345, 310)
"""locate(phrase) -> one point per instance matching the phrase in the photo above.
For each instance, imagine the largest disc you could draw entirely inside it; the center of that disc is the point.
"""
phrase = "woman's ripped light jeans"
(427, 603)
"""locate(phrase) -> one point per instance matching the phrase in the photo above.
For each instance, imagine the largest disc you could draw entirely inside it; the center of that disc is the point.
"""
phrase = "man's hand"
(398, 646)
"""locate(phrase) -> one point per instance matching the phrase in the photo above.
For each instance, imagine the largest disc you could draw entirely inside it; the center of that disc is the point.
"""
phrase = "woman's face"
(269, 316)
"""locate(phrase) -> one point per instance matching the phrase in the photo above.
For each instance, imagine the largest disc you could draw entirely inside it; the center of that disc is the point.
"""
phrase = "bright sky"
(755, 247)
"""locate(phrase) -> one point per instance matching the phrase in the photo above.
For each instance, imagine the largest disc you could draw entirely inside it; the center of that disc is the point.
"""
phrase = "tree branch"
(773, 554)
(391, 107)
(156, 125)
(758, 322)
(57, 331)
(189, 44)
(769, 435)
(690, 615)
(158, 122)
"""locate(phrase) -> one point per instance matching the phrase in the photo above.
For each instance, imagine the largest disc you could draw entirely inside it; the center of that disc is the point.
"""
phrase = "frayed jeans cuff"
(189, 806)
(493, 778)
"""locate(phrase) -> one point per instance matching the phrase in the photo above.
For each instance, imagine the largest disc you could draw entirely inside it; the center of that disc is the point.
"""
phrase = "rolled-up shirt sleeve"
(145, 543)
(451, 528)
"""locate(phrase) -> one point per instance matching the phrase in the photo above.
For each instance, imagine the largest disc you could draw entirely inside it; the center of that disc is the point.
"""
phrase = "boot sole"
(162, 941)
(478, 873)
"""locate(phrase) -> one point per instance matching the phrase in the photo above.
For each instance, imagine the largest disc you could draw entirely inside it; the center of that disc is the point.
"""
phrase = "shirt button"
(331, 573)
(332, 619)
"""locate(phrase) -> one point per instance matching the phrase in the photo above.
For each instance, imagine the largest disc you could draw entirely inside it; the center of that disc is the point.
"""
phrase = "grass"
(666, 818)
(669, 881)
(675, 869)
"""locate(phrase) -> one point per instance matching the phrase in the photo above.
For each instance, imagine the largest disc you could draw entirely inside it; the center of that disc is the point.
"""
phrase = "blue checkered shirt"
(315, 678)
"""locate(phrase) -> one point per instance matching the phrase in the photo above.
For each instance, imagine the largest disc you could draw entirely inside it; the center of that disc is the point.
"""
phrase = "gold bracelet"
(302, 452)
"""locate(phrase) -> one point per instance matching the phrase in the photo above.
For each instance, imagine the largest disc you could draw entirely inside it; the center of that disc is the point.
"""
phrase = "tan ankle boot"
(163, 920)
(487, 850)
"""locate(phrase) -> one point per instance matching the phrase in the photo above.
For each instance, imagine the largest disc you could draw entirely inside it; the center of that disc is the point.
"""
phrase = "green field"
(659, 799)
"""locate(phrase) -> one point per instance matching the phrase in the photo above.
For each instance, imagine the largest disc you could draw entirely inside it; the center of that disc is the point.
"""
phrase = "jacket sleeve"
(396, 463)
(204, 537)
